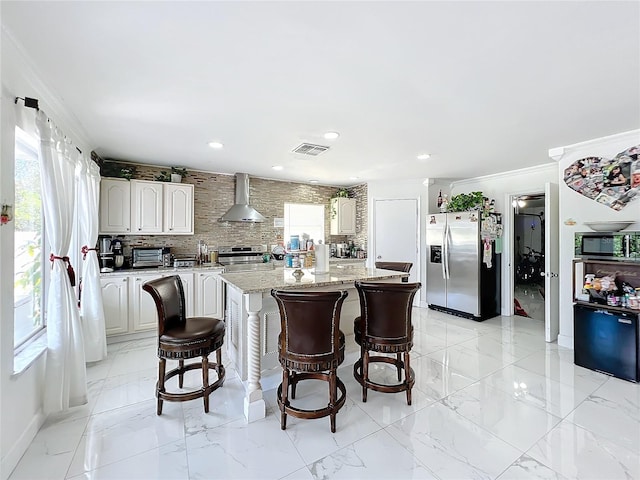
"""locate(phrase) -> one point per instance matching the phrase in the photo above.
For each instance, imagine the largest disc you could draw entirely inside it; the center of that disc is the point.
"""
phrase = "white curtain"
(91, 308)
(65, 380)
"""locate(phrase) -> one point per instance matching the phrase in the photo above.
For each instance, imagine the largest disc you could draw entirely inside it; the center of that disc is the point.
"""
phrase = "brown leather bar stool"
(181, 338)
(311, 346)
(384, 326)
(396, 267)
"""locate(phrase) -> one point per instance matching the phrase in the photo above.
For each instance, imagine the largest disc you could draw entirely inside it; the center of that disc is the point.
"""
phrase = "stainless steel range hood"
(241, 211)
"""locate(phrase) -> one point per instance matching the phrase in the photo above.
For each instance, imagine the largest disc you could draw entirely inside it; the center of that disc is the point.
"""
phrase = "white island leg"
(254, 406)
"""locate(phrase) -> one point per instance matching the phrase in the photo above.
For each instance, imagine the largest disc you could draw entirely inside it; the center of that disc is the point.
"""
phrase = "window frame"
(287, 221)
(26, 142)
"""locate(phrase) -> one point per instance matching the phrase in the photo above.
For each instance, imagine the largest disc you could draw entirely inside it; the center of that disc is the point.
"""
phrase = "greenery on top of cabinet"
(465, 201)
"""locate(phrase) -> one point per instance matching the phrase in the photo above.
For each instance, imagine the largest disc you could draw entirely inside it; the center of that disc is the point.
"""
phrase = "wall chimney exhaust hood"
(241, 211)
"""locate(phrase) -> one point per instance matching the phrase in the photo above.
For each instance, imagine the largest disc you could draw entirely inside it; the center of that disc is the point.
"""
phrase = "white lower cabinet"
(115, 298)
(142, 307)
(129, 309)
(210, 295)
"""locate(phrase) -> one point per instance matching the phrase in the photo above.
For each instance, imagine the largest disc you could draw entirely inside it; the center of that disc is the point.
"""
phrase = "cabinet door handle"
(624, 320)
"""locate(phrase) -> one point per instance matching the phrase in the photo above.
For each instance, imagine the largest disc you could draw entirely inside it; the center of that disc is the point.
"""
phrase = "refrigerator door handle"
(445, 260)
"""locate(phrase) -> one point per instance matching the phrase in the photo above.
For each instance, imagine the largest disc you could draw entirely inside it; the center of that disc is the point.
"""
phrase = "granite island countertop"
(163, 270)
(282, 278)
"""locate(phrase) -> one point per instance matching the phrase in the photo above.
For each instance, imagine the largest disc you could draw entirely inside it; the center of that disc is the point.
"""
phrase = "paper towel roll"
(322, 258)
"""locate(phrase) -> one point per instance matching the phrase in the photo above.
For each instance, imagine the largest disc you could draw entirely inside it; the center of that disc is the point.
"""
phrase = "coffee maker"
(118, 255)
(106, 257)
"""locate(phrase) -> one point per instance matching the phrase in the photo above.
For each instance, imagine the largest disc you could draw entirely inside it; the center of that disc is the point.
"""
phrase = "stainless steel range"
(244, 258)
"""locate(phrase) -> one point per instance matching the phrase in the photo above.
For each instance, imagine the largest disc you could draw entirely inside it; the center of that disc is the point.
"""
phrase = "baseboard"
(565, 341)
(11, 459)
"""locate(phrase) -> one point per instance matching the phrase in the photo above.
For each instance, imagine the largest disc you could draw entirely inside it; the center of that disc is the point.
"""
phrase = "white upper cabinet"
(142, 207)
(146, 206)
(343, 216)
(178, 208)
(115, 206)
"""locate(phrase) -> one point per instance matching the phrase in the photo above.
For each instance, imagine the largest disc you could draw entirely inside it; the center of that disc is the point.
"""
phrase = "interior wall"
(403, 189)
(576, 209)
(214, 193)
(499, 186)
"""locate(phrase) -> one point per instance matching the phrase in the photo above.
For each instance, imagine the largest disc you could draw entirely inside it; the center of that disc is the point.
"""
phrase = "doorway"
(529, 222)
(395, 233)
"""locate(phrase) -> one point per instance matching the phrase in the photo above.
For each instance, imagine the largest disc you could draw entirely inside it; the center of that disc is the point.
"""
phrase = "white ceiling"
(484, 87)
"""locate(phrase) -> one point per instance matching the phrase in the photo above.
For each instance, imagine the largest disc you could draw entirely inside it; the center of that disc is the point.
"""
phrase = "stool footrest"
(192, 394)
(381, 387)
(317, 413)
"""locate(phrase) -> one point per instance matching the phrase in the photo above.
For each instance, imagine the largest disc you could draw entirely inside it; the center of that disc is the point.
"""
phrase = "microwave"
(148, 257)
(608, 245)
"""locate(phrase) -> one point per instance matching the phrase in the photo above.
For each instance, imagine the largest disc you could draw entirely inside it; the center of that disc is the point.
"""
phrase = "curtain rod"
(33, 103)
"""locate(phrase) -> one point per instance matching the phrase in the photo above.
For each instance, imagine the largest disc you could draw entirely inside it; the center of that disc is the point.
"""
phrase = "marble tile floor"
(531, 299)
(491, 400)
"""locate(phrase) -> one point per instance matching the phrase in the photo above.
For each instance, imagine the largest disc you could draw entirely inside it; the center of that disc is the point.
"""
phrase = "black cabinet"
(606, 340)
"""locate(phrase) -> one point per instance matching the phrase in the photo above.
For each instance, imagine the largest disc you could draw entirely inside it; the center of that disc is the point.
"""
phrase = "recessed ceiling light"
(331, 135)
(313, 181)
(353, 178)
(423, 156)
(215, 145)
(277, 167)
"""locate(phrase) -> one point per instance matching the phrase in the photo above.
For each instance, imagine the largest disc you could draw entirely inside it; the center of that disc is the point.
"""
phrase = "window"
(29, 281)
(302, 219)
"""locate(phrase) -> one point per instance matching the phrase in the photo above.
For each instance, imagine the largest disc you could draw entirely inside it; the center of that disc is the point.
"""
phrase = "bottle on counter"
(439, 198)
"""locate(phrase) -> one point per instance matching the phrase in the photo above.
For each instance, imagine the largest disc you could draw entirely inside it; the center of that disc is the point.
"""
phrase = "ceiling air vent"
(310, 149)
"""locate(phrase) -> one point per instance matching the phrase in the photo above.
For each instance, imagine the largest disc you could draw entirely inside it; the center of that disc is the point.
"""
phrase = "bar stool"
(396, 267)
(311, 346)
(181, 338)
(384, 326)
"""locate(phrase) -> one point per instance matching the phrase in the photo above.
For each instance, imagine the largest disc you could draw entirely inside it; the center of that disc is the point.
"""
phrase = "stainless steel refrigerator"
(462, 278)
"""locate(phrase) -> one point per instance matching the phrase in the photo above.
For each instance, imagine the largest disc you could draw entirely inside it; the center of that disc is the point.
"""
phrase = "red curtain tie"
(70, 272)
(85, 250)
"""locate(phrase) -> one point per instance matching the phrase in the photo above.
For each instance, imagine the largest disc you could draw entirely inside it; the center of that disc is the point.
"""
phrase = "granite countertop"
(132, 271)
(347, 260)
(282, 278)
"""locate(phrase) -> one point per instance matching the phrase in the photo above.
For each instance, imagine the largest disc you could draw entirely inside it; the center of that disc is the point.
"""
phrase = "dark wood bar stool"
(181, 338)
(311, 346)
(384, 326)
(396, 267)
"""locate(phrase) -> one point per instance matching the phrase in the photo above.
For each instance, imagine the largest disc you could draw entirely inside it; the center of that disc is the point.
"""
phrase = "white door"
(396, 233)
(115, 206)
(178, 208)
(551, 263)
(143, 309)
(146, 210)
(115, 299)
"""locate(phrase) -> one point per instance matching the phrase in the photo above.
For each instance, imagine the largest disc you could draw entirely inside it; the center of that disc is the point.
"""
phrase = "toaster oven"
(149, 257)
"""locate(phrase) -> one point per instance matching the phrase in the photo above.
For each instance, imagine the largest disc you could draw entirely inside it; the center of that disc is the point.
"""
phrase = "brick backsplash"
(214, 193)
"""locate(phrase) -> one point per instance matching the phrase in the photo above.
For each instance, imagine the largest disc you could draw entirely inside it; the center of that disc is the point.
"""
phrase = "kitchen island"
(253, 320)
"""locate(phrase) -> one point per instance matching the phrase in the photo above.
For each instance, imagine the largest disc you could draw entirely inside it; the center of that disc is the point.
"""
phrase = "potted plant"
(465, 201)
(117, 170)
(176, 175)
